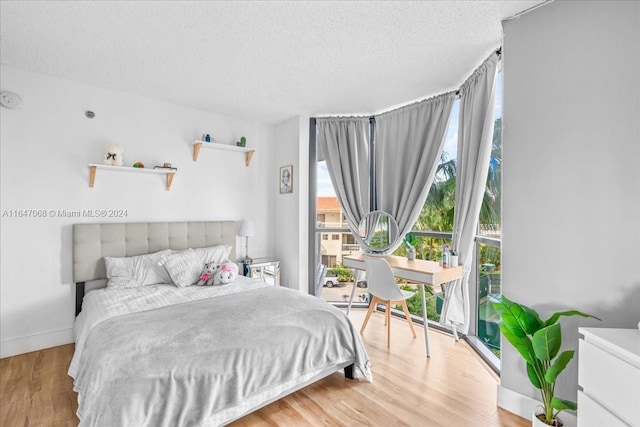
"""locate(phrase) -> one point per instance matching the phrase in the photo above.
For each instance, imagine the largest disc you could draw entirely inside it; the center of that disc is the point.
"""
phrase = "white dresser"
(609, 375)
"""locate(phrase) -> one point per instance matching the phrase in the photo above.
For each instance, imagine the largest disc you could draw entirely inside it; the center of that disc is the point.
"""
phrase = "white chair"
(385, 290)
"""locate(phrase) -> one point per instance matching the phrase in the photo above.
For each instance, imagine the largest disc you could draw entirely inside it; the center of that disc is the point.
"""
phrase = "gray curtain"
(408, 143)
(344, 143)
(477, 99)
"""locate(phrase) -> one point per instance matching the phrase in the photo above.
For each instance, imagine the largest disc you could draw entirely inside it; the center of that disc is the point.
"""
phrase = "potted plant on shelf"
(538, 342)
(410, 241)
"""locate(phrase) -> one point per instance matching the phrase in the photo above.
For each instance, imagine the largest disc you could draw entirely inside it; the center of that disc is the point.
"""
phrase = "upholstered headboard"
(92, 242)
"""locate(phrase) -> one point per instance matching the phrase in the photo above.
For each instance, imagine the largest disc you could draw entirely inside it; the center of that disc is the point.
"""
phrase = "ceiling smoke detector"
(10, 100)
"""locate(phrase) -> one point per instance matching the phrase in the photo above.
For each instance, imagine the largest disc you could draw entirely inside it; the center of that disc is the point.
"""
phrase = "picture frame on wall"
(286, 179)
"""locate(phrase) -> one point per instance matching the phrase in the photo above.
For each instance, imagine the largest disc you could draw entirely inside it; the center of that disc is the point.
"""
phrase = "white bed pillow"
(184, 267)
(217, 254)
(135, 271)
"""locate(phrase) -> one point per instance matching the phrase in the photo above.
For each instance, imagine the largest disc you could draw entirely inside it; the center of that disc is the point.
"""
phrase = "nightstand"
(264, 269)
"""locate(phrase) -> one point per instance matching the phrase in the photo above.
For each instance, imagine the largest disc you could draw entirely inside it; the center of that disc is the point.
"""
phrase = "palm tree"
(438, 211)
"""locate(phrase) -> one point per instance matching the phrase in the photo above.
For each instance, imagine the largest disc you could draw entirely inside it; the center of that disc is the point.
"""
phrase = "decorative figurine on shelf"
(207, 138)
(242, 142)
(165, 166)
(138, 165)
(113, 155)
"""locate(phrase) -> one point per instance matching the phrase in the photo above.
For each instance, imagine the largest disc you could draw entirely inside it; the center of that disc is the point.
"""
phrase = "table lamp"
(246, 230)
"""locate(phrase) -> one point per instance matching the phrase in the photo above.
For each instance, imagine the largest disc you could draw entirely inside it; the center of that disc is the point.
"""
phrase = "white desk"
(419, 271)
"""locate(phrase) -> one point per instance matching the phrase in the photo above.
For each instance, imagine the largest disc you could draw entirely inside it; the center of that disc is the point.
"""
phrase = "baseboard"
(35, 342)
(524, 406)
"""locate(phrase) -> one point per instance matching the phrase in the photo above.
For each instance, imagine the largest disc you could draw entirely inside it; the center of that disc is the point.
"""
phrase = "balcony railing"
(332, 225)
(350, 247)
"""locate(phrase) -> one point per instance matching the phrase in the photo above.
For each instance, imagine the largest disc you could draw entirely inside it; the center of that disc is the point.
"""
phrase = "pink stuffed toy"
(208, 273)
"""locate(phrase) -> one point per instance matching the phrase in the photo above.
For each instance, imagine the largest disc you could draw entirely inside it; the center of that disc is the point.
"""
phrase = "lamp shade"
(246, 229)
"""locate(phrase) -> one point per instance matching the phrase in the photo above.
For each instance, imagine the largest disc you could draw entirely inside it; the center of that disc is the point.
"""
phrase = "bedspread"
(207, 362)
(102, 304)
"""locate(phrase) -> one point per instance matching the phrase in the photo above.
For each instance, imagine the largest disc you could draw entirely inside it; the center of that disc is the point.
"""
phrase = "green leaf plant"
(410, 241)
(538, 342)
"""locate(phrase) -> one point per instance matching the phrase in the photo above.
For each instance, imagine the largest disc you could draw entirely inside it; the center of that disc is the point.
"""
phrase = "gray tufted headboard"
(92, 242)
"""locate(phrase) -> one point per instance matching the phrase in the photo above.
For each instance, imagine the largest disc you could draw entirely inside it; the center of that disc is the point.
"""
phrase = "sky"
(325, 188)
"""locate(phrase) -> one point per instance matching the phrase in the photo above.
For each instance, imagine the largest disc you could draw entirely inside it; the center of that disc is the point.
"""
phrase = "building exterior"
(335, 243)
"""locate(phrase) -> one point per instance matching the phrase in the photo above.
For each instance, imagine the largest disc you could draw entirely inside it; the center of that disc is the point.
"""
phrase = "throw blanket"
(208, 362)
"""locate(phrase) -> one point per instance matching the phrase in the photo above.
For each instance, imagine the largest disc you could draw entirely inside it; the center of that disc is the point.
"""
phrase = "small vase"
(454, 260)
(411, 255)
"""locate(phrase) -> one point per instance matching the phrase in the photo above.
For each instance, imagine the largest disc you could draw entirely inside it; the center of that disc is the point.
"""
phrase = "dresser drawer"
(609, 381)
(592, 414)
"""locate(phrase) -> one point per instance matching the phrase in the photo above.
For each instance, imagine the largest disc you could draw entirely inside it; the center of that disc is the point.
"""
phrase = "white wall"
(46, 145)
(571, 152)
(291, 210)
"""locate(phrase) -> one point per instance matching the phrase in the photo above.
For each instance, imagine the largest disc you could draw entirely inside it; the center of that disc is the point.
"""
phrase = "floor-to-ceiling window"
(488, 247)
(433, 231)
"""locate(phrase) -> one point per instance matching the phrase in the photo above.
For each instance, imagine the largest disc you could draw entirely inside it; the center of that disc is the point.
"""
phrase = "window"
(329, 260)
(335, 237)
(488, 247)
(325, 237)
(434, 231)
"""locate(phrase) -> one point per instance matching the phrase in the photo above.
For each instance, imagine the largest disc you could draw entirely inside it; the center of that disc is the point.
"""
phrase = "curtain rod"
(498, 52)
(373, 117)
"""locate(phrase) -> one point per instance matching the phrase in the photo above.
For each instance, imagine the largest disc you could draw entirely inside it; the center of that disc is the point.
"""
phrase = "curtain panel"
(475, 133)
(408, 143)
(344, 144)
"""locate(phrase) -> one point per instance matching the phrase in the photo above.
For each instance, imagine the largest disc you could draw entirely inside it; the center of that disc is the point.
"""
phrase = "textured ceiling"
(260, 60)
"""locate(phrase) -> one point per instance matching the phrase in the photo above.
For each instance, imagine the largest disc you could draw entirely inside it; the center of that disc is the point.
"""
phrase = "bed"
(162, 355)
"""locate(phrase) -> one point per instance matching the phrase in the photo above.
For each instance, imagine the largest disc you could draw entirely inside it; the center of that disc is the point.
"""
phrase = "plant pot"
(411, 255)
(537, 422)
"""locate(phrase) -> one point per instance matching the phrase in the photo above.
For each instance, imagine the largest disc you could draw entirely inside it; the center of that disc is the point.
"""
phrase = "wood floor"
(452, 388)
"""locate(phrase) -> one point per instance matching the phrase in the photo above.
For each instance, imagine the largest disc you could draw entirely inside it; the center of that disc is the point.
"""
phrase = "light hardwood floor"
(452, 388)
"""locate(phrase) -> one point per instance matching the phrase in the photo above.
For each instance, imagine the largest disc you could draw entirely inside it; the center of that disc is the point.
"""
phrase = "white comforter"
(202, 356)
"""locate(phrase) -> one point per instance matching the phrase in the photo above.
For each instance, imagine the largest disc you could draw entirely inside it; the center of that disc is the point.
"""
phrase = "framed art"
(286, 179)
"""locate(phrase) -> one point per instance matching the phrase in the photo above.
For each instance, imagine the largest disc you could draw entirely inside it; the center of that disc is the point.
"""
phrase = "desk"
(419, 271)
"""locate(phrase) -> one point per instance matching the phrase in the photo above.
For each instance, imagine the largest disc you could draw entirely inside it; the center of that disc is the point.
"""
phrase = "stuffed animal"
(227, 273)
(208, 273)
(113, 155)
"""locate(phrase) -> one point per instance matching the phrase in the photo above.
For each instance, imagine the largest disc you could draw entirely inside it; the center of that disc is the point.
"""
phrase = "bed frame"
(93, 242)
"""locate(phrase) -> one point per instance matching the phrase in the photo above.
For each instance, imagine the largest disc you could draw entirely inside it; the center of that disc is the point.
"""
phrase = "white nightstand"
(265, 269)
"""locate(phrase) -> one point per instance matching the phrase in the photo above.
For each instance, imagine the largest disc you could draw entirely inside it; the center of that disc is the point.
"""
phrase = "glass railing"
(338, 284)
(489, 288)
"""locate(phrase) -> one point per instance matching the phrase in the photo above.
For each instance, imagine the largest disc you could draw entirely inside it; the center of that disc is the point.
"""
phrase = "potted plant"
(410, 241)
(538, 342)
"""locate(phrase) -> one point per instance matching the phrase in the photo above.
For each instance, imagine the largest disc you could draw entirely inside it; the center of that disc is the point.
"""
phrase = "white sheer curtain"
(477, 97)
(408, 143)
(344, 144)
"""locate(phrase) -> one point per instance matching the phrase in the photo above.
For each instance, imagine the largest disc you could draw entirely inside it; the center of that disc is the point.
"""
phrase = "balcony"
(333, 225)
(350, 247)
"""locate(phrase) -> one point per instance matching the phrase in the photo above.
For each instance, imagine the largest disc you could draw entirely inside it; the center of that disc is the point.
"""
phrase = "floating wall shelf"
(217, 146)
(93, 167)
